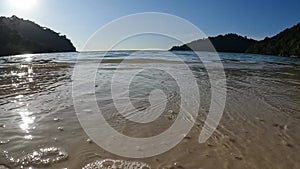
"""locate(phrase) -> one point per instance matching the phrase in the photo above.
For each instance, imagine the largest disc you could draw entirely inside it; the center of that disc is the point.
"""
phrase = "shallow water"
(259, 128)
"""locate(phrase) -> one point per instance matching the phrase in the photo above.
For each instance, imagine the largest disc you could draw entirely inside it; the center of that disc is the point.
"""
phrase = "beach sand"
(259, 128)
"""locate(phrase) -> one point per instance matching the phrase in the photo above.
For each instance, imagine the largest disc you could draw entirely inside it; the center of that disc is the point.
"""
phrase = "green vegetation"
(18, 36)
(286, 43)
(222, 43)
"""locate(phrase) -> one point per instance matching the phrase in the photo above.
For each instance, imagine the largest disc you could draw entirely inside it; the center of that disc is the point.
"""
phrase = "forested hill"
(222, 43)
(286, 43)
(18, 36)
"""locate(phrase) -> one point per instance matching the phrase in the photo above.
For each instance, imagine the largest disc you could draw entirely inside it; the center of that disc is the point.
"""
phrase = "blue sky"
(79, 19)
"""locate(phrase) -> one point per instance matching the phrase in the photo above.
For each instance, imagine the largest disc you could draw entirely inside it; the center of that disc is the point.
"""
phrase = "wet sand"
(259, 128)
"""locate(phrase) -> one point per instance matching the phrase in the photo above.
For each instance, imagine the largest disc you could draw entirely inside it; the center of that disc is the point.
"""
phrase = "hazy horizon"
(78, 21)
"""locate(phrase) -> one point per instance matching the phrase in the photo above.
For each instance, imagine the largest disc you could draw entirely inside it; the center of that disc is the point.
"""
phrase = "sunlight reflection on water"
(27, 120)
(26, 116)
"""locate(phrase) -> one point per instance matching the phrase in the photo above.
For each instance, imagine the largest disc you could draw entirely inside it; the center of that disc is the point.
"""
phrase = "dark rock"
(280, 126)
(238, 158)
(210, 145)
(232, 140)
(188, 137)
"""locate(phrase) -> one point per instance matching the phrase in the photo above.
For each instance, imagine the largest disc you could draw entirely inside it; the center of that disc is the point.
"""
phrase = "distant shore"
(18, 36)
(286, 43)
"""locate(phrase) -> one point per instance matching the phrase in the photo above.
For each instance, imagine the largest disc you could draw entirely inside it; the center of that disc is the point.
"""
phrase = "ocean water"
(227, 58)
(39, 127)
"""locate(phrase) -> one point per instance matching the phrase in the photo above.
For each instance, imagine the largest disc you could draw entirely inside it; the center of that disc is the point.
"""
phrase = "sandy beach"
(259, 128)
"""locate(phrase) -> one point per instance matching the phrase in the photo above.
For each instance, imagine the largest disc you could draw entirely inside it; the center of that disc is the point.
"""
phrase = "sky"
(80, 19)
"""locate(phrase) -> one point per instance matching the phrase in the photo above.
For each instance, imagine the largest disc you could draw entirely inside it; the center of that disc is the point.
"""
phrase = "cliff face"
(286, 43)
(18, 36)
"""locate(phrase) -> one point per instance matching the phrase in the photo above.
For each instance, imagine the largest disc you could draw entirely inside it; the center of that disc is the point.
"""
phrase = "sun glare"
(23, 4)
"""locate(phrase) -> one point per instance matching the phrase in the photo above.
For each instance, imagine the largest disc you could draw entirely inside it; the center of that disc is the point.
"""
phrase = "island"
(19, 36)
(286, 43)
